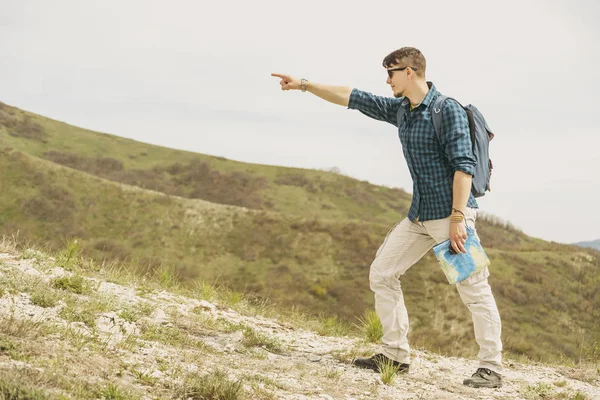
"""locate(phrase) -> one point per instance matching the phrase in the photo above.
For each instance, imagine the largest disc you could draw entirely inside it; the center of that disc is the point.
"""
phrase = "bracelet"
(303, 84)
(458, 211)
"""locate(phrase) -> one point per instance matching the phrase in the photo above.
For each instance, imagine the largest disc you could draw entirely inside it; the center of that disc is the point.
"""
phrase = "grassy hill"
(198, 176)
(302, 238)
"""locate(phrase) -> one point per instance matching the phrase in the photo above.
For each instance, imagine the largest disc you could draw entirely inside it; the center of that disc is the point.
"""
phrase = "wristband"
(458, 211)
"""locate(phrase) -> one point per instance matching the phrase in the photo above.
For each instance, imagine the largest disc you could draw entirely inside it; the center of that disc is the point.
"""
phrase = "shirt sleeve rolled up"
(456, 138)
(377, 107)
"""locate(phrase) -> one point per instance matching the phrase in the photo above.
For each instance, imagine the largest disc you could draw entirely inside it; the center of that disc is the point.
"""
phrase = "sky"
(195, 75)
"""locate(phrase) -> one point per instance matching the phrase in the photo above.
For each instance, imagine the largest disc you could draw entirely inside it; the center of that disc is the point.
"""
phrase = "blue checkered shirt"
(431, 161)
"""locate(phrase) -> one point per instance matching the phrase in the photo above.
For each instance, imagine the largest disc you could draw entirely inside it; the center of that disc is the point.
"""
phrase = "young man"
(442, 170)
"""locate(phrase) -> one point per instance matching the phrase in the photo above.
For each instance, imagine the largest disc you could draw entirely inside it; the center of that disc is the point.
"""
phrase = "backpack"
(481, 135)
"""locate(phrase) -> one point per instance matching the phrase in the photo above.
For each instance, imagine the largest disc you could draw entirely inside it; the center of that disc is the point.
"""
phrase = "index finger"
(279, 75)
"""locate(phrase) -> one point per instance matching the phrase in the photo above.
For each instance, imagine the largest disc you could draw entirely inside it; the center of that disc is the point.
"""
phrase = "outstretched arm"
(376, 107)
(333, 94)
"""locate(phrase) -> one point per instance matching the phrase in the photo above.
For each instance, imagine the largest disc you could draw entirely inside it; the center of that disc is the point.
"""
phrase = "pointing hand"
(287, 82)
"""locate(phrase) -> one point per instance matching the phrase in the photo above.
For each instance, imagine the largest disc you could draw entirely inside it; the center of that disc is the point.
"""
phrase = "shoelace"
(482, 371)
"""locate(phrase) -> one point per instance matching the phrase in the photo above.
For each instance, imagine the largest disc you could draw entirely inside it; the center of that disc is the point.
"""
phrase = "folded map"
(458, 267)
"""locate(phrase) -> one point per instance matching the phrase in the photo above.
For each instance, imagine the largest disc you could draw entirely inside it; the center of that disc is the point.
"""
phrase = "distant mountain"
(594, 244)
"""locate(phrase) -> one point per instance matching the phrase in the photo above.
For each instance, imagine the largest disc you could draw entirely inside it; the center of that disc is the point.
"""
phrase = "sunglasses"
(391, 71)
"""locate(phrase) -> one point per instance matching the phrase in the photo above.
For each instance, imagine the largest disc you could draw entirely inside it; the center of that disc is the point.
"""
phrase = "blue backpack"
(481, 135)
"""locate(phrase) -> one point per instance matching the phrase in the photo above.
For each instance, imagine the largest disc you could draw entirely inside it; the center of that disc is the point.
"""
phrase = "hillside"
(198, 176)
(303, 239)
(70, 330)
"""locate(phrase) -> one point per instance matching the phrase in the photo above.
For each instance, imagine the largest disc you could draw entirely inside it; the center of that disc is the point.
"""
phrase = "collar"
(429, 97)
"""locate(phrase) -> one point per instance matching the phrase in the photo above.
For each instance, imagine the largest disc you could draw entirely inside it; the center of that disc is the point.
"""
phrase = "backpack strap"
(436, 114)
(400, 114)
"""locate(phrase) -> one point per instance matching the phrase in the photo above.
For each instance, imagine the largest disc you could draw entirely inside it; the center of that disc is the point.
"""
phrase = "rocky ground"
(71, 332)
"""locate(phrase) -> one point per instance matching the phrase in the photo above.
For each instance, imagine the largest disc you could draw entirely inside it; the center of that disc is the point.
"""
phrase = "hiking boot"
(484, 378)
(380, 359)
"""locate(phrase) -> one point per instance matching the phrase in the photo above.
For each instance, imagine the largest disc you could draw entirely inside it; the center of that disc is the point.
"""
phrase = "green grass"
(78, 314)
(253, 338)
(112, 392)
(332, 326)
(74, 283)
(387, 371)
(45, 297)
(11, 389)
(370, 326)
(214, 386)
(69, 256)
(129, 314)
(579, 396)
(171, 336)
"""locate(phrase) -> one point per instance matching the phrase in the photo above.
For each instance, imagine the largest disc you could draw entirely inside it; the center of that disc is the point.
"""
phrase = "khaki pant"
(406, 243)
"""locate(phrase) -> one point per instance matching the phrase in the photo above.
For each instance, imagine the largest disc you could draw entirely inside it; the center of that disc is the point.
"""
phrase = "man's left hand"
(458, 236)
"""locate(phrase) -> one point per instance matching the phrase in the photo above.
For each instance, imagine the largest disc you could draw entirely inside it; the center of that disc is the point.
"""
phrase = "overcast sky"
(195, 75)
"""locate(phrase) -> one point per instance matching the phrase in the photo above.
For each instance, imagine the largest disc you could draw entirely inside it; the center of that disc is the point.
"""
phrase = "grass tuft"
(69, 256)
(112, 392)
(45, 297)
(171, 336)
(540, 390)
(387, 371)
(22, 328)
(15, 390)
(333, 326)
(74, 313)
(579, 396)
(213, 386)
(253, 338)
(129, 314)
(30, 253)
(74, 283)
(370, 325)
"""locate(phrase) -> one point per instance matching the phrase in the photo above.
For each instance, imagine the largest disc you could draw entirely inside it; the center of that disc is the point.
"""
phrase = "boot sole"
(401, 371)
(486, 385)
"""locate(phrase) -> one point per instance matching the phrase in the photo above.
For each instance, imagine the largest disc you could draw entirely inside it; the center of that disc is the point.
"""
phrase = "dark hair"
(407, 57)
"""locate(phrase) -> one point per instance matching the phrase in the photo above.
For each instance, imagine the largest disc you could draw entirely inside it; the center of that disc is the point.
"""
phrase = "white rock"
(115, 327)
(206, 305)
(229, 348)
(159, 316)
(26, 268)
(57, 272)
(157, 374)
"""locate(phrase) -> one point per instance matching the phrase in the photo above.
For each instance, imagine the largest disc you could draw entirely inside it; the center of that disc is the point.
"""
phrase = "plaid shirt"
(431, 161)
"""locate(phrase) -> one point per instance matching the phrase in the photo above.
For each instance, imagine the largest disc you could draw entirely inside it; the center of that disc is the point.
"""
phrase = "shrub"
(26, 128)
(74, 283)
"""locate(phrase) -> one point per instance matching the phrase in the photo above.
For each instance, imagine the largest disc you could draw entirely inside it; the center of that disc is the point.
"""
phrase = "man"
(442, 170)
